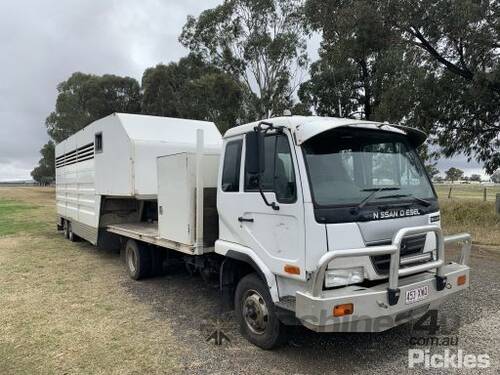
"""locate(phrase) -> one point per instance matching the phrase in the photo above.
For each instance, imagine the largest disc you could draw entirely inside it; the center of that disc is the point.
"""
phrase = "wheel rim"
(132, 260)
(255, 312)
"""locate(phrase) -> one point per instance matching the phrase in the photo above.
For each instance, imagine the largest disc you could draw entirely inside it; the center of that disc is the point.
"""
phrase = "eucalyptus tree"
(433, 64)
(262, 43)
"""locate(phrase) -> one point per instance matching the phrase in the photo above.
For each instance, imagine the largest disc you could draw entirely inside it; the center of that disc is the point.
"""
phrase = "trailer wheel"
(70, 234)
(65, 228)
(256, 315)
(137, 259)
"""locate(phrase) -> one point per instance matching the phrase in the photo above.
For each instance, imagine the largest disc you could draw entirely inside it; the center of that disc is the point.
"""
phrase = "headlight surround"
(344, 276)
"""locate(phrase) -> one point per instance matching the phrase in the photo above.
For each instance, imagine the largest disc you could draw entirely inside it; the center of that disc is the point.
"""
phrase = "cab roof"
(306, 127)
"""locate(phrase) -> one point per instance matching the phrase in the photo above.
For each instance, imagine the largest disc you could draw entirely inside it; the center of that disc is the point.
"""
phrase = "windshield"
(349, 166)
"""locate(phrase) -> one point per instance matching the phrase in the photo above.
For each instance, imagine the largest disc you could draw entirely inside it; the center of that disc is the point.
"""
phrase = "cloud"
(461, 162)
(44, 42)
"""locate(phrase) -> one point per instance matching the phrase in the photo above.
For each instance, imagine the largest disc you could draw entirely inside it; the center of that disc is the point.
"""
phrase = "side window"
(231, 168)
(284, 175)
(279, 175)
(98, 142)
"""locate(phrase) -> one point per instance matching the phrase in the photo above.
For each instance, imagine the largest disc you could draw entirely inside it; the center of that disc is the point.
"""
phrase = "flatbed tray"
(148, 232)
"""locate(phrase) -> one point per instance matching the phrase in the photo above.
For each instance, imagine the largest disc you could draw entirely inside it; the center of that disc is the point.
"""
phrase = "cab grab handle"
(242, 219)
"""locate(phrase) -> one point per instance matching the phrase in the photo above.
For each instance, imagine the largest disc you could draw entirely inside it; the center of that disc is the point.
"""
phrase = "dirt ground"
(69, 308)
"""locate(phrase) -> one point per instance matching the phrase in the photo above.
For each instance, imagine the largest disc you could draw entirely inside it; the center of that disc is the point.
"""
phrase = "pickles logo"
(442, 352)
(394, 214)
(448, 359)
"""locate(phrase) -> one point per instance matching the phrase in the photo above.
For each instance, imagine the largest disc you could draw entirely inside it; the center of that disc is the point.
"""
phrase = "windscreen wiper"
(372, 195)
(424, 202)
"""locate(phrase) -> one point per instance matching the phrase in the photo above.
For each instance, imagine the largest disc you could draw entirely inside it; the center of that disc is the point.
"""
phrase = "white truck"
(332, 223)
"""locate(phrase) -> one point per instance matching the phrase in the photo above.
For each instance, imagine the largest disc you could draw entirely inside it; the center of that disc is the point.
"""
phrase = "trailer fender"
(246, 255)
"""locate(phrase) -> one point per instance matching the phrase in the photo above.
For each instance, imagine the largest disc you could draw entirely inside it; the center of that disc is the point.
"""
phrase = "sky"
(43, 42)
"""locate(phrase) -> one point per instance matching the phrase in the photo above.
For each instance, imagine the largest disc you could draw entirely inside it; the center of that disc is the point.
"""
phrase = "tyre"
(137, 259)
(256, 314)
(65, 228)
(71, 236)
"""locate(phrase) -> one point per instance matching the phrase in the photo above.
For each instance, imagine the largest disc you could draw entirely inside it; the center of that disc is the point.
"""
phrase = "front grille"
(410, 246)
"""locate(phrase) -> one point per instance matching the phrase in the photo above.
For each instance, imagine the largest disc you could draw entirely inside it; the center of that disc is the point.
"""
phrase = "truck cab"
(340, 221)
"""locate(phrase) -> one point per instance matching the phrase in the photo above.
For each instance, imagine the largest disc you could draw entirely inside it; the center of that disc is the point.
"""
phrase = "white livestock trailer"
(106, 174)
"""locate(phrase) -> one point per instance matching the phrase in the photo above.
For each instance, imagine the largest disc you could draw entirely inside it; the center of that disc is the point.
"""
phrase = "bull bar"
(317, 279)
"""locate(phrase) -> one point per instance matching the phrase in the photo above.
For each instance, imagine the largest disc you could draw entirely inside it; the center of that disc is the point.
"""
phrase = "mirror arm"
(273, 205)
(259, 128)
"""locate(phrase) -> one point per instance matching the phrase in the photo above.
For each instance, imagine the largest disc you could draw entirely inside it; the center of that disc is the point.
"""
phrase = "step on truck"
(330, 223)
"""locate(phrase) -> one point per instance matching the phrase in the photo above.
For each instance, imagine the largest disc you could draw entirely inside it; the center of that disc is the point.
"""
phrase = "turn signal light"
(293, 270)
(461, 280)
(344, 309)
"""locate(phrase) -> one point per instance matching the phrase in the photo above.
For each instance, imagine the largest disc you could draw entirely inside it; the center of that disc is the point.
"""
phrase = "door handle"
(242, 219)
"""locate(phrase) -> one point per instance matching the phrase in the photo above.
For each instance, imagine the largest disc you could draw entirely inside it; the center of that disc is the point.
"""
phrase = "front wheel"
(256, 315)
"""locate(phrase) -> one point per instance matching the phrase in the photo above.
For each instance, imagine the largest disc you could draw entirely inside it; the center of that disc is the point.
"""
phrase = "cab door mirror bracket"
(255, 156)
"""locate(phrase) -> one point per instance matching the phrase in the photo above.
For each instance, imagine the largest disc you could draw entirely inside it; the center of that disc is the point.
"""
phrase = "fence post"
(449, 193)
(484, 195)
(497, 205)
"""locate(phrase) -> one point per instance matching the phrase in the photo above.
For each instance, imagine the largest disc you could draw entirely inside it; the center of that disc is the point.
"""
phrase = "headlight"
(342, 277)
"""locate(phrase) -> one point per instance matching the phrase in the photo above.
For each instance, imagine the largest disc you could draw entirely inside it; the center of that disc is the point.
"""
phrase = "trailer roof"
(155, 129)
(306, 127)
(167, 129)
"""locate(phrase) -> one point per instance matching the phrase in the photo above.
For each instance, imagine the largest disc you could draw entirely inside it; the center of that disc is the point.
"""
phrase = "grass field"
(64, 310)
(467, 212)
(467, 191)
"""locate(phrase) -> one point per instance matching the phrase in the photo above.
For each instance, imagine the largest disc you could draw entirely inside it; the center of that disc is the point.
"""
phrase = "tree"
(162, 85)
(84, 98)
(495, 177)
(460, 42)
(260, 42)
(475, 177)
(432, 170)
(193, 89)
(213, 97)
(454, 174)
(428, 64)
(359, 62)
(44, 173)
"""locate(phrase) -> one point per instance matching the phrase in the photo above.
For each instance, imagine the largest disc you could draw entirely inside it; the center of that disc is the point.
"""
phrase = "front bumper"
(383, 306)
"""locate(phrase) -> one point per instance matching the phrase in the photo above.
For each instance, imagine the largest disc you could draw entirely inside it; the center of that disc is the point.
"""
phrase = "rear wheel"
(65, 228)
(70, 236)
(256, 313)
(137, 259)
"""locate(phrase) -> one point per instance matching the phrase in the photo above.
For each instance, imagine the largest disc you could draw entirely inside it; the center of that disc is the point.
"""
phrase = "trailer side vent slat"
(83, 153)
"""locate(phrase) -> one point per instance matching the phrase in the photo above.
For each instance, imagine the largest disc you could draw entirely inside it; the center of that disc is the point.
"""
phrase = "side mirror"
(254, 156)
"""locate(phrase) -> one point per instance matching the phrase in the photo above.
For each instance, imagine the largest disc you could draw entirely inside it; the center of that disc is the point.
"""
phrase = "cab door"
(275, 235)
